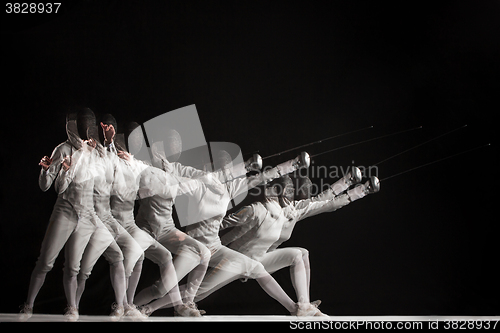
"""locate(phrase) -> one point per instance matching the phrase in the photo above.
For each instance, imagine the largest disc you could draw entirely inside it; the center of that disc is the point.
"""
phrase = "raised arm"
(71, 168)
(51, 166)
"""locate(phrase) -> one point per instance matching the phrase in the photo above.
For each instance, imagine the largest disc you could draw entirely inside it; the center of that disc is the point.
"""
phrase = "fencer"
(63, 220)
(62, 223)
(262, 226)
(124, 252)
(259, 225)
(155, 217)
(227, 263)
(138, 179)
(91, 237)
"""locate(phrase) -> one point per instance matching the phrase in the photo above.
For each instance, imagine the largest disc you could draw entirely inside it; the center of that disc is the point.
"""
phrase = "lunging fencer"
(259, 227)
(262, 226)
(209, 208)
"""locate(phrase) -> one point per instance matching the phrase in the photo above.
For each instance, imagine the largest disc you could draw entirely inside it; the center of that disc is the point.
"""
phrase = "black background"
(270, 76)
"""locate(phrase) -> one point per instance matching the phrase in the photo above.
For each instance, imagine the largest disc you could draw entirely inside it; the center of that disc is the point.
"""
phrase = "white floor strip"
(14, 317)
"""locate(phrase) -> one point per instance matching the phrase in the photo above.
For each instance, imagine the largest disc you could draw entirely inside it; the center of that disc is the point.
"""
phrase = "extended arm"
(241, 185)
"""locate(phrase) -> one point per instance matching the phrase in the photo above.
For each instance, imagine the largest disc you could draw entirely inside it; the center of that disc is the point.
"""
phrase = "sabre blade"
(369, 140)
(316, 142)
(433, 162)
(421, 144)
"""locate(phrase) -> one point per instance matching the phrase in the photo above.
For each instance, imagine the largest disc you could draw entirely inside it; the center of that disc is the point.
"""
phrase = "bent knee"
(299, 256)
(305, 253)
(71, 271)
(44, 268)
(83, 275)
(259, 270)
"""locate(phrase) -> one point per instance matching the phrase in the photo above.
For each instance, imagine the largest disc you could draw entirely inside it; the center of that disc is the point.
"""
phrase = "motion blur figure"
(63, 221)
(124, 252)
(91, 238)
(209, 207)
(65, 225)
(262, 226)
(136, 179)
(155, 216)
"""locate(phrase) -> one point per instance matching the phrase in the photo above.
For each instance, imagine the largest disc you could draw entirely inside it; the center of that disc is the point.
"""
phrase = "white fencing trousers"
(228, 265)
(62, 223)
(158, 254)
(78, 241)
(271, 262)
(189, 253)
(297, 259)
(131, 250)
(154, 251)
(283, 257)
(100, 243)
(123, 212)
(183, 246)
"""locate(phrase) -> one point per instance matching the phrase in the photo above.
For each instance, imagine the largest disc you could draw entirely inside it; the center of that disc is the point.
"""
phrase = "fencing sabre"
(436, 161)
(420, 144)
(364, 141)
(316, 142)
